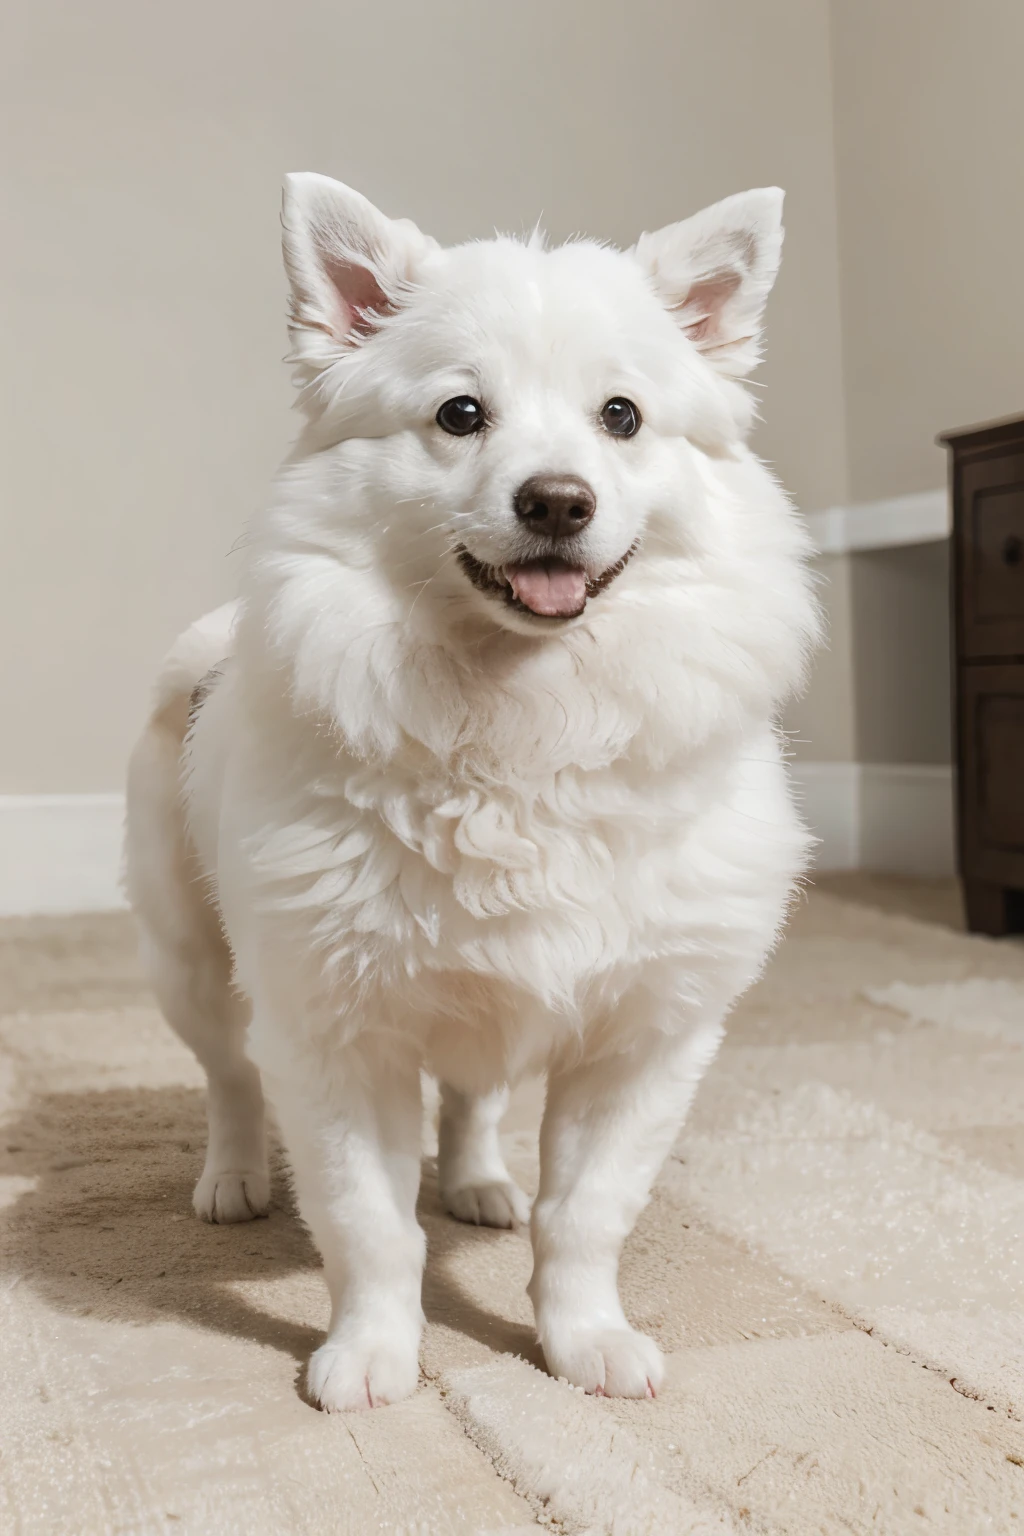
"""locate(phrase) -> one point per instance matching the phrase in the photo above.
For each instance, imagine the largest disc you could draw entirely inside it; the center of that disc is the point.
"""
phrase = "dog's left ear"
(346, 261)
(715, 272)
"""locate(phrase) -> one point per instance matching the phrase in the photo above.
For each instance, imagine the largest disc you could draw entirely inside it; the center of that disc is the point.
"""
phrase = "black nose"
(556, 505)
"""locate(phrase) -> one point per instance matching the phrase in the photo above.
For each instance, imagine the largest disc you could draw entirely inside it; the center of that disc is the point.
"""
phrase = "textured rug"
(833, 1258)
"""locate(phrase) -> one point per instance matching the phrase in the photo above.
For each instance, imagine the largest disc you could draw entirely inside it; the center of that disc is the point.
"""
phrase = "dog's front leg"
(351, 1122)
(608, 1126)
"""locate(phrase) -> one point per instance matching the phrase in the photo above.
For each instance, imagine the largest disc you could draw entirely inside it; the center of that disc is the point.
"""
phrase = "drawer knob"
(1013, 550)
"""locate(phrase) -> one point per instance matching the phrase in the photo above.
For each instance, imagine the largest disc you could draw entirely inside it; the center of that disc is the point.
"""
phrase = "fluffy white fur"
(443, 833)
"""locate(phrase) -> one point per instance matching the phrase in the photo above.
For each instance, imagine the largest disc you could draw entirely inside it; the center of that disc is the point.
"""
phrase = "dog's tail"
(159, 865)
(196, 652)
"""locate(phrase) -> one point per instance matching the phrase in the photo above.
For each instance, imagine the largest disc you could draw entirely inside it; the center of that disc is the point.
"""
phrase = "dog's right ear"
(347, 263)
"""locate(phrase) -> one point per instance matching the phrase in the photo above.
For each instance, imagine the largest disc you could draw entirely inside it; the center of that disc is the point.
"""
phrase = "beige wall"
(144, 295)
(929, 130)
(929, 115)
(899, 618)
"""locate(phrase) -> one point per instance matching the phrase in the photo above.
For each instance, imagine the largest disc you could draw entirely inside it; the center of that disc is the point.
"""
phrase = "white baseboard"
(917, 519)
(896, 818)
(60, 853)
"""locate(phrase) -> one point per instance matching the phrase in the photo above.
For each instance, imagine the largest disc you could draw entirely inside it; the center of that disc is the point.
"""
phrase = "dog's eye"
(621, 418)
(461, 416)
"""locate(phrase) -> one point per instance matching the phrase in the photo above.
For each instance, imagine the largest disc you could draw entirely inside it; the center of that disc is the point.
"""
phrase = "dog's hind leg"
(473, 1181)
(189, 965)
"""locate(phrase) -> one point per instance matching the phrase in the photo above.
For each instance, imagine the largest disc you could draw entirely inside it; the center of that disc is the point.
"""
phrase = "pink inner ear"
(701, 310)
(359, 296)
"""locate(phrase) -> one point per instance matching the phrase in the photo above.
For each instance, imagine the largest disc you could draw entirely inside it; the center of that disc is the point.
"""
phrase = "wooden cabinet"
(987, 484)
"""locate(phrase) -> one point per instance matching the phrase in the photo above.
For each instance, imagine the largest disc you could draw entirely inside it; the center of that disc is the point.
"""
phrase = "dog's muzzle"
(546, 588)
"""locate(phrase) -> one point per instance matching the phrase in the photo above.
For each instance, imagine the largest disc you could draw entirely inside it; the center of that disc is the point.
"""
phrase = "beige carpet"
(834, 1259)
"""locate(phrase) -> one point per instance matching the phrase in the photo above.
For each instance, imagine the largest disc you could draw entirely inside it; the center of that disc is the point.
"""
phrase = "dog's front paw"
(497, 1204)
(362, 1372)
(610, 1362)
(231, 1195)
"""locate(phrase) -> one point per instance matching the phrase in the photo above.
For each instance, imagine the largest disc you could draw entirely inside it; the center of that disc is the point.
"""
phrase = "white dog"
(484, 774)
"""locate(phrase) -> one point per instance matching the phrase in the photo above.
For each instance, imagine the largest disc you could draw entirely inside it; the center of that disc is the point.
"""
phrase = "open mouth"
(549, 588)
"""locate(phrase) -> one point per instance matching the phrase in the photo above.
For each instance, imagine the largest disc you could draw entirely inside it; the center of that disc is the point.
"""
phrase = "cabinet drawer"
(991, 781)
(989, 529)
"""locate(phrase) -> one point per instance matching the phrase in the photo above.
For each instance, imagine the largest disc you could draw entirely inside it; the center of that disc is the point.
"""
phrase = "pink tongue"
(549, 587)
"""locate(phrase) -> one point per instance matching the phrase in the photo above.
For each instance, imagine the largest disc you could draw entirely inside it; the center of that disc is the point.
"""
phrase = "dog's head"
(506, 425)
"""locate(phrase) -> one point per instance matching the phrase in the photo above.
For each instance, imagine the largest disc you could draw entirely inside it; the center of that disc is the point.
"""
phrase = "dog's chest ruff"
(408, 872)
